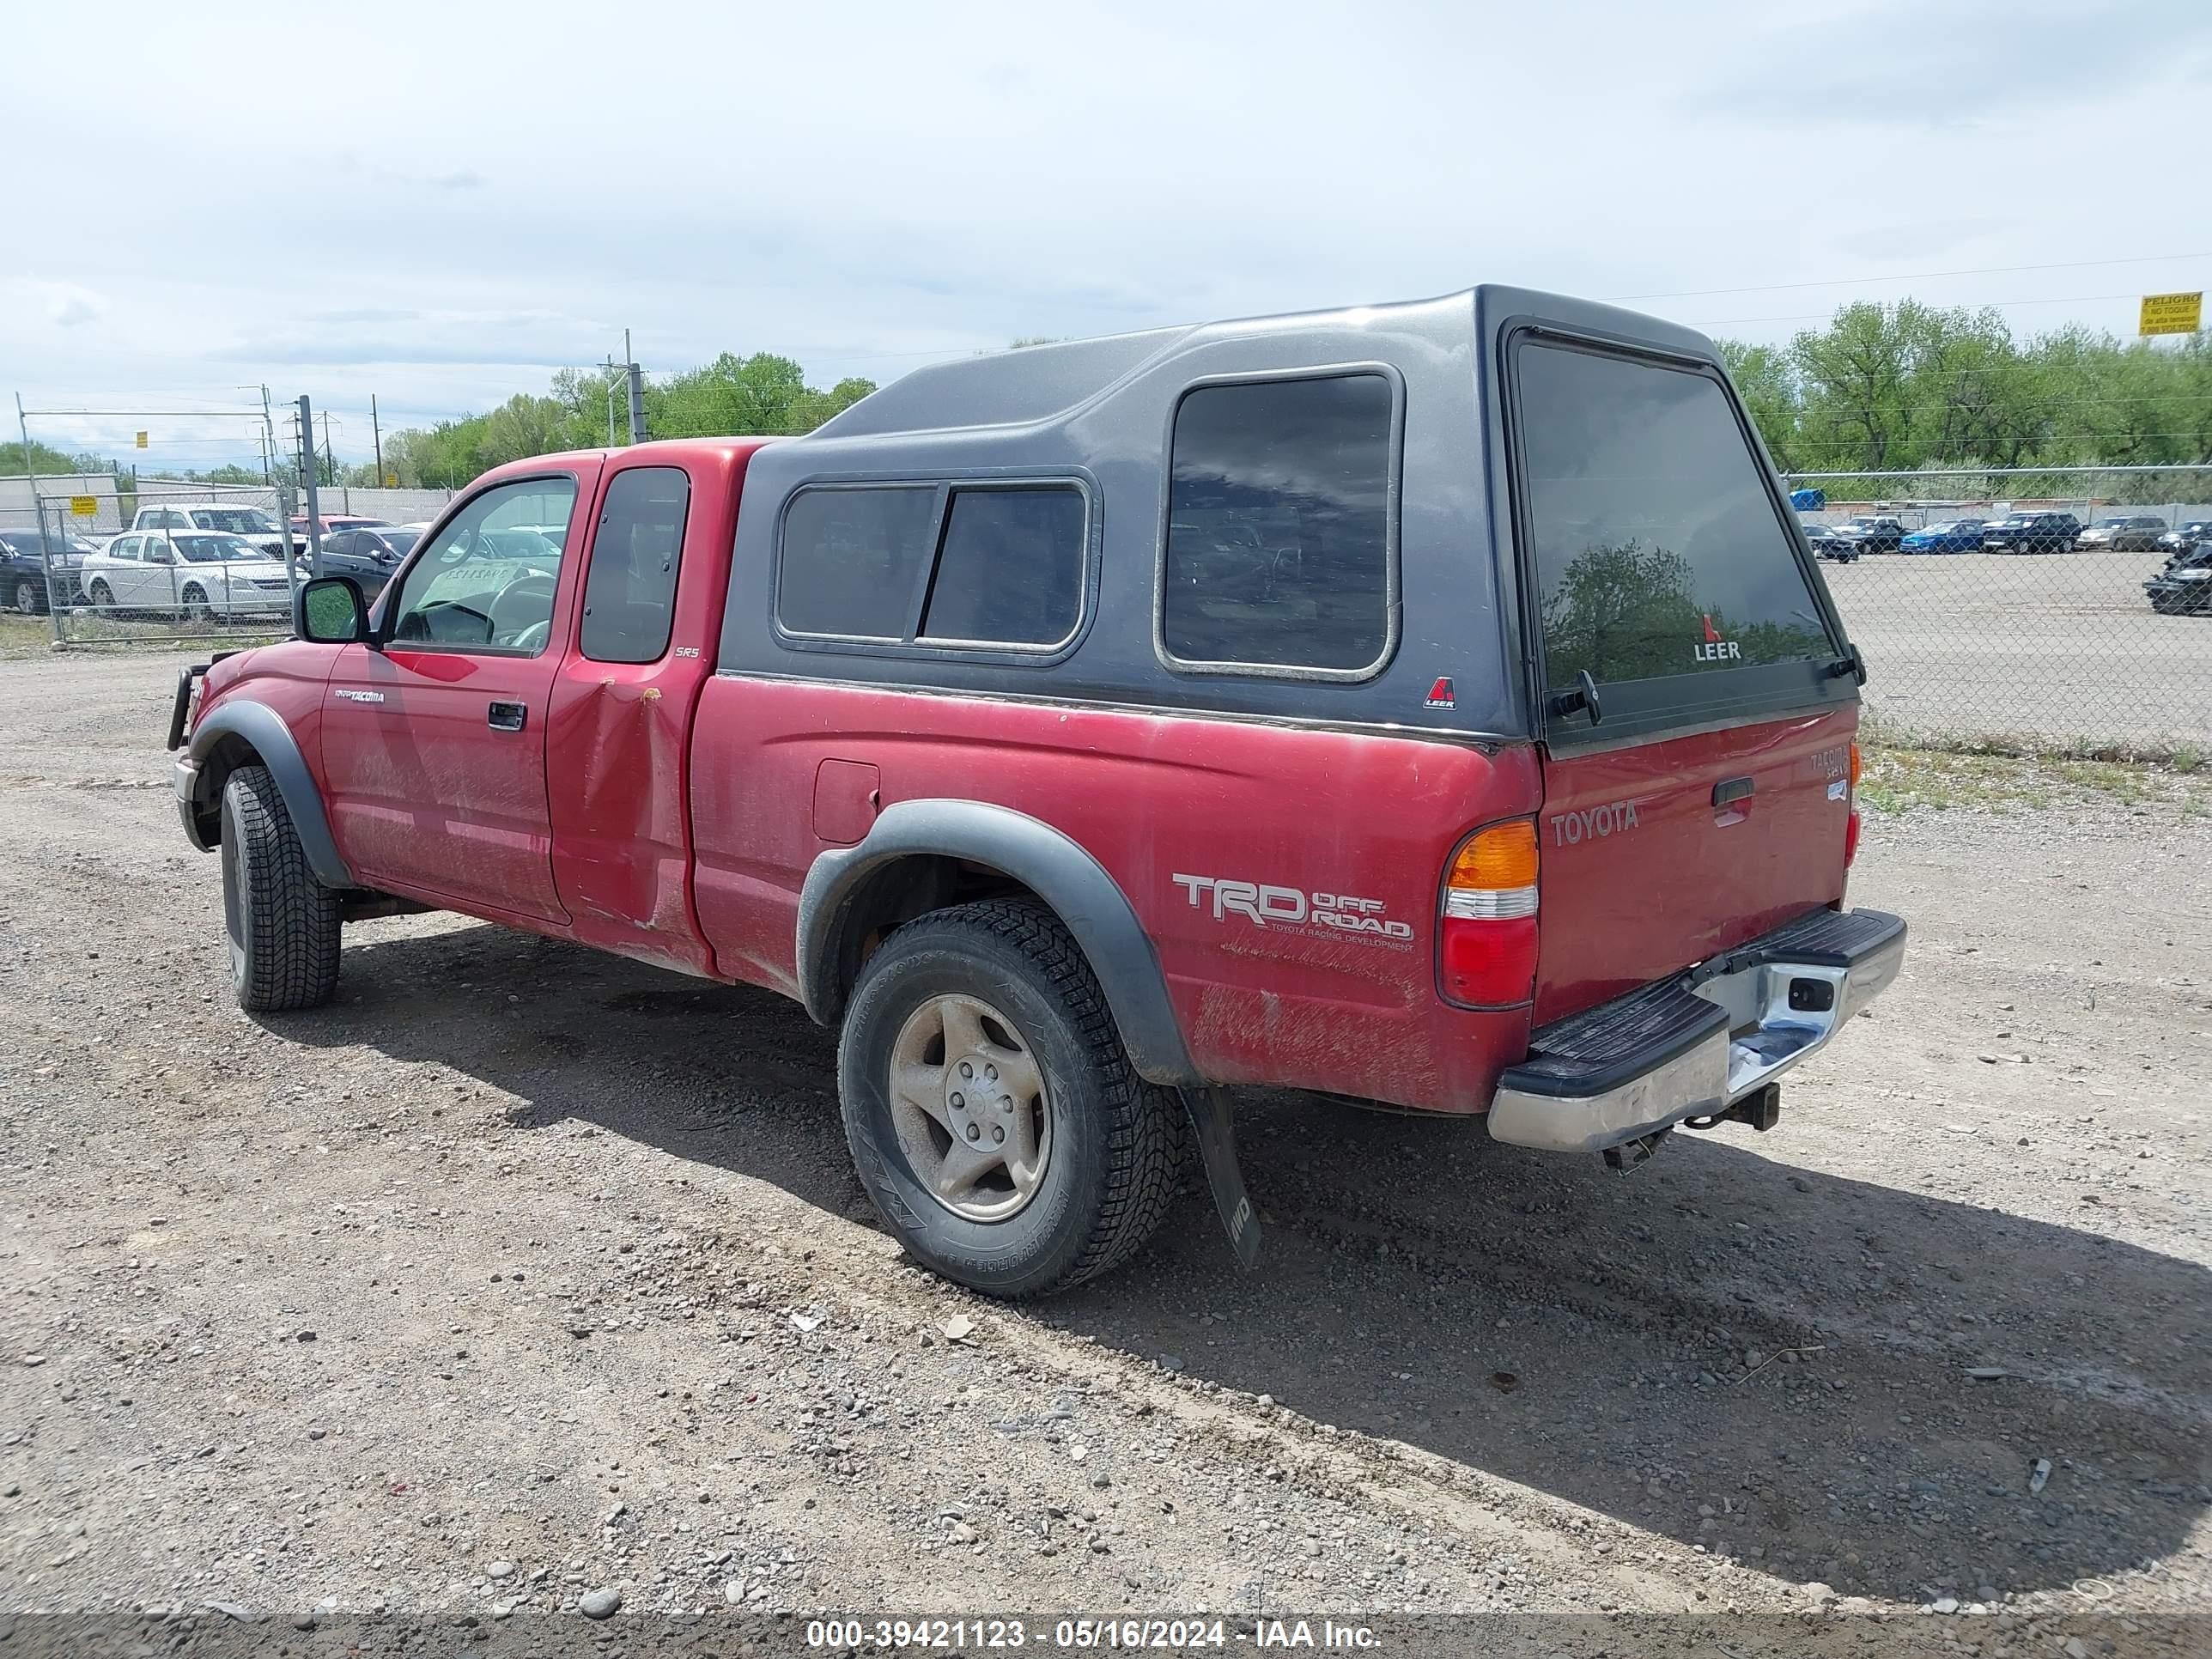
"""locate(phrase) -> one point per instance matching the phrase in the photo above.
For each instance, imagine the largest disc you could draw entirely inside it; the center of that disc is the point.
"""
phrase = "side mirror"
(330, 611)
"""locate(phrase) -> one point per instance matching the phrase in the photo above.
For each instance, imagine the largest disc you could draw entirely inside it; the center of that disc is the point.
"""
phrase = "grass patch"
(2180, 754)
(1899, 779)
(24, 637)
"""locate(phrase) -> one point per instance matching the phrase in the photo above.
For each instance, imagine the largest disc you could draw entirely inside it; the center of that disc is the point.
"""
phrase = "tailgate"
(1660, 855)
(1700, 698)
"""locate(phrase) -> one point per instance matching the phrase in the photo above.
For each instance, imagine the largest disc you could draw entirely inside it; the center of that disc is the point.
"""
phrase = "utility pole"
(314, 501)
(637, 433)
(330, 464)
(376, 436)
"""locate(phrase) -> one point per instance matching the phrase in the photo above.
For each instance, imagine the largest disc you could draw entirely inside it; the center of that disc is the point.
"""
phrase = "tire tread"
(293, 921)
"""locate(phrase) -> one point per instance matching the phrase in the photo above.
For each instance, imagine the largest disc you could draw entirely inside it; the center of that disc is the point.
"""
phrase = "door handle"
(507, 716)
(1731, 789)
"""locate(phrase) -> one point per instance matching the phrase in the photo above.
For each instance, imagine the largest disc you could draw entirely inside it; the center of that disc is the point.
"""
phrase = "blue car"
(1960, 535)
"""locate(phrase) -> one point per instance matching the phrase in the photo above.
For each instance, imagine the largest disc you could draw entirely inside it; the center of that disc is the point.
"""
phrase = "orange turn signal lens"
(1502, 856)
(1855, 766)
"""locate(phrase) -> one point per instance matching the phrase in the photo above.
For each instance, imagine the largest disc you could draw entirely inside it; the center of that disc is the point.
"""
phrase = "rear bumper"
(1693, 1045)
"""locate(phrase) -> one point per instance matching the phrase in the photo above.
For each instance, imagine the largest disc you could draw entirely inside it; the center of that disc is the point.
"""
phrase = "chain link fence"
(2066, 608)
(193, 562)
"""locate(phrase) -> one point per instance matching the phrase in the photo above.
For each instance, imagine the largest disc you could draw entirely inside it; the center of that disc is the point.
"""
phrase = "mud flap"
(1209, 1120)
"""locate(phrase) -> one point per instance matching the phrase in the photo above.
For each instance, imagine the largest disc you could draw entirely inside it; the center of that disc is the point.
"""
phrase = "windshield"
(238, 521)
(214, 550)
(399, 541)
(1938, 529)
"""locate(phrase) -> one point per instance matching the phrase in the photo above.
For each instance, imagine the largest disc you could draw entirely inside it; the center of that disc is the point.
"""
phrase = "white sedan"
(200, 576)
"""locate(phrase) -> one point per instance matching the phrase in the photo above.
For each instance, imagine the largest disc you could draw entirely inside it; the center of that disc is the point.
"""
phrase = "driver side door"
(433, 746)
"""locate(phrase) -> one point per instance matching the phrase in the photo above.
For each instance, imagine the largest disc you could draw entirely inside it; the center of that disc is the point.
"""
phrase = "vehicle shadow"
(1742, 1356)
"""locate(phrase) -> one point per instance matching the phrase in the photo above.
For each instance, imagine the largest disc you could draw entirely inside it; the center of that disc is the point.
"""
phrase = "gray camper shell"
(1100, 415)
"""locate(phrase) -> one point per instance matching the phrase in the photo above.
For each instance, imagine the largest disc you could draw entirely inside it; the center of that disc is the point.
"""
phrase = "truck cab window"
(488, 581)
(631, 591)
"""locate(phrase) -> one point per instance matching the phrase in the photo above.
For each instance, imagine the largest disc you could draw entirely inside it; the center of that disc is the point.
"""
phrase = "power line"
(1905, 277)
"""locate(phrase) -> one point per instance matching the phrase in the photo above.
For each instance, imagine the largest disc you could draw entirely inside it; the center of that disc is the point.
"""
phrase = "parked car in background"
(2033, 533)
(2138, 534)
(1872, 533)
(224, 517)
(369, 557)
(1828, 545)
(2182, 538)
(2184, 588)
(23, 574)
(198, 576)
(334, 522)
(1955, 536)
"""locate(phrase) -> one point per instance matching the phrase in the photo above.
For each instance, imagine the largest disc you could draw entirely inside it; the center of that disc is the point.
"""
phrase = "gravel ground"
(522, 1273)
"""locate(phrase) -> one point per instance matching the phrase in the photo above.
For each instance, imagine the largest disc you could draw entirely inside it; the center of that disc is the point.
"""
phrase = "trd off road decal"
(1288, 909)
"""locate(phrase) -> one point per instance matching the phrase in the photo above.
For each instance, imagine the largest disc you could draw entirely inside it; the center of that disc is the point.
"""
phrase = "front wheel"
(282, 923)
(991, 1112)
(103, 598)
(30, 597)
(196, 607)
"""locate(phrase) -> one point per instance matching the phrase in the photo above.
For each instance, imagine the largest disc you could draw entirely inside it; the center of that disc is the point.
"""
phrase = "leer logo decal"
(1715, 648)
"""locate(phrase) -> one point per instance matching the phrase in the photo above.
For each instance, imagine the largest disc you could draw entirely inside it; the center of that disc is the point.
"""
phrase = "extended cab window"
(630, 590)
(851, 560)
(488, 581)
(1659, 552)
(1010, 570)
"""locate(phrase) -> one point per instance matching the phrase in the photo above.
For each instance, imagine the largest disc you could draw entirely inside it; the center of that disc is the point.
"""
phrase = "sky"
(441, 204)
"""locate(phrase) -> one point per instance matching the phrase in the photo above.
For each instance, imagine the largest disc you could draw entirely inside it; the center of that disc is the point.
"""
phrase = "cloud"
(68, 306)
(464, 178)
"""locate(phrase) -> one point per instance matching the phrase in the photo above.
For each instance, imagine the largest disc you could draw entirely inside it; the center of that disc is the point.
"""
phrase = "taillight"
(1852, 823)
(1488, 926)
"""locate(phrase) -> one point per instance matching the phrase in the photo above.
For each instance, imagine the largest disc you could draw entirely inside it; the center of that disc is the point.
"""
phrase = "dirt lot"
(523, 1273)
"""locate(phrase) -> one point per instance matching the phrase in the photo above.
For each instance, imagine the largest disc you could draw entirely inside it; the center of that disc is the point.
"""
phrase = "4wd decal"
(1593, 823)
(1289, 910)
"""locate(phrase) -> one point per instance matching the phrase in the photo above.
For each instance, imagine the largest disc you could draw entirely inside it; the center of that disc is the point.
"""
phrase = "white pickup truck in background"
(225, 518)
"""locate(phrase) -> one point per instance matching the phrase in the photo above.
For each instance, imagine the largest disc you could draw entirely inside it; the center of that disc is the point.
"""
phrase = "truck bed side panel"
(1267, 822)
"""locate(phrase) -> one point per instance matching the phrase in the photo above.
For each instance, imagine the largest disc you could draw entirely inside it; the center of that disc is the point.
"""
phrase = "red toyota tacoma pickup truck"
(1433, 704)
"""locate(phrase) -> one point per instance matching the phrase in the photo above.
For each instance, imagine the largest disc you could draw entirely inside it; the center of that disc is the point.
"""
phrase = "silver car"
(198, 576)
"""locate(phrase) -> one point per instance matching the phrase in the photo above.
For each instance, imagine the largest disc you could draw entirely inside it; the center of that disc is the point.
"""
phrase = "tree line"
(1903, 387)
(760, 396)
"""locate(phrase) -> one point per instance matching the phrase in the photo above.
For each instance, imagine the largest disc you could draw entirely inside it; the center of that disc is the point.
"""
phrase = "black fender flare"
(1050, 864)
(263, 727)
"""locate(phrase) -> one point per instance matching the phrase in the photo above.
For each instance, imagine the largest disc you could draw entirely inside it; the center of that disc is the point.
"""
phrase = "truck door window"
(488, 581)
(1011, 568)
(1278, 556)
(630, 591)
(851, 562)
(1659, 553)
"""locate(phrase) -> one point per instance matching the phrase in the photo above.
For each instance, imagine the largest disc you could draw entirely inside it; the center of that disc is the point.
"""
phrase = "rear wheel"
(991, 1112)
(196, 607)
(282, 924)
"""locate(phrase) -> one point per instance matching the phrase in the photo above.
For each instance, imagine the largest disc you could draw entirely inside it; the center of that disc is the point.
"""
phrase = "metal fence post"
(314, 501)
